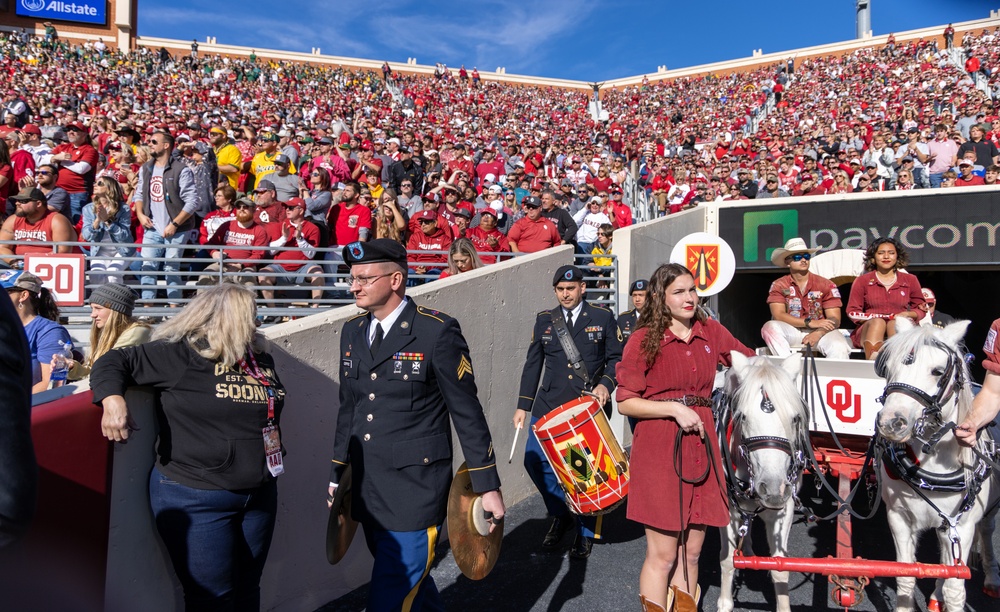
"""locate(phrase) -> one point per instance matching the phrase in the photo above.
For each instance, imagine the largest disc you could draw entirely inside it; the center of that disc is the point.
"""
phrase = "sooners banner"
(940, 228)
(60, 273)
(710, 260)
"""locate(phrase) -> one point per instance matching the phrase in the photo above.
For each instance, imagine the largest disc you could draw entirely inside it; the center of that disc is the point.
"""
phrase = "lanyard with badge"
(272, 438)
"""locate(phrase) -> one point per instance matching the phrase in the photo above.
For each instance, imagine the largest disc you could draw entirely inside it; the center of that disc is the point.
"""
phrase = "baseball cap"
(76, 125)
(490, 177)
(496, 189)
(490, 211)
(531, 202)
(29, 194)
(425, 214)
(928, 295)
(966, 162)
(18, 279)
(463, 212)
(282, 159)
(31, 128)
(265, 185)
(295, 203)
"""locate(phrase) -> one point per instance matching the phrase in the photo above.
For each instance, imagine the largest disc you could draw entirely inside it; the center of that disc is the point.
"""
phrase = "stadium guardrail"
(289, 301)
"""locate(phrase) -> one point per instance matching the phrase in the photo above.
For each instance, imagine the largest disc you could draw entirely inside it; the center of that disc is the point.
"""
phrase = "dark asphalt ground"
(526, 579)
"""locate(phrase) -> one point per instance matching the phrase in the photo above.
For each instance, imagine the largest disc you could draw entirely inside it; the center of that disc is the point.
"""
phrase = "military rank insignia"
(464, 367)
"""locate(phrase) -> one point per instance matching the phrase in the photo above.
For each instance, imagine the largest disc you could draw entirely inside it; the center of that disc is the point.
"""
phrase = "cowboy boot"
(871, 348)
(649, 606)
(683, 601)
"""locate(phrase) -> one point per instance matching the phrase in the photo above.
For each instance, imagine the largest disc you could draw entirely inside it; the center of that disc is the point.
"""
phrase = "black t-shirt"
(211, 416)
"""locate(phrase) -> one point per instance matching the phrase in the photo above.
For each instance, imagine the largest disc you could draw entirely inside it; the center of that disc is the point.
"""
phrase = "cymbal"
(340, 527)
(474, 547)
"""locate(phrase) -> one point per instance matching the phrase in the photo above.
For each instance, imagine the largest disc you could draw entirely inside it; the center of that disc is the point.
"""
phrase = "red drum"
(586, 457)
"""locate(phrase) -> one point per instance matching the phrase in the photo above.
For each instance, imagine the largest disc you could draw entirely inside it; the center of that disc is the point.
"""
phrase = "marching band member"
(666, 376)
(595, 336)
(405, 376)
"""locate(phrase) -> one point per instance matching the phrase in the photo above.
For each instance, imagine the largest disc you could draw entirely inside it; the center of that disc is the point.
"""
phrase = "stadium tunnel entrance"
(968, 293)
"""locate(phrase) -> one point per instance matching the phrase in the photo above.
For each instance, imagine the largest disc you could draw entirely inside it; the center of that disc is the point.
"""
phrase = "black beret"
(375, 251)
(570, 274)
(639, 285)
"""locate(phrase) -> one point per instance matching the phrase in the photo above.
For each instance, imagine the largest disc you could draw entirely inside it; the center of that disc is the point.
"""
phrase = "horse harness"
(929, 429)
(741, 491)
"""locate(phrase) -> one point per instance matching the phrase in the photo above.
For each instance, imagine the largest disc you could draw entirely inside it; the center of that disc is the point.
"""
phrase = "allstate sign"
(80, 11)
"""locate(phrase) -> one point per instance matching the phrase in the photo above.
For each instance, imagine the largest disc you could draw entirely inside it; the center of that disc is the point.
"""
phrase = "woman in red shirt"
(665, 379)
(882, 294)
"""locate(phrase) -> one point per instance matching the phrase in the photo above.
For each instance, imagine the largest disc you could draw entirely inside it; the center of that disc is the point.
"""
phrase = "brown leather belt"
(691, 400)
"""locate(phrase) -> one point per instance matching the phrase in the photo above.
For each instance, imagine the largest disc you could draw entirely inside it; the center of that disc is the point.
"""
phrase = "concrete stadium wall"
(643, 247)
(496, 306)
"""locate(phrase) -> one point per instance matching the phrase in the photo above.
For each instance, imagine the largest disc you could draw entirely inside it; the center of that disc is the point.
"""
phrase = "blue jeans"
(217, 540)
(76, 203)
(540, 471)
(936, 179)
(171, 268)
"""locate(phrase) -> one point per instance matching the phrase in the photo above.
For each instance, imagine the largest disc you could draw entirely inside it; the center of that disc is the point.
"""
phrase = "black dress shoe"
(560, 525)
(581, 547)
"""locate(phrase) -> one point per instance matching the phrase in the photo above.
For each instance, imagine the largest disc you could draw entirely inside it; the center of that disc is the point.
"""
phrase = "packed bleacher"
(262, 170)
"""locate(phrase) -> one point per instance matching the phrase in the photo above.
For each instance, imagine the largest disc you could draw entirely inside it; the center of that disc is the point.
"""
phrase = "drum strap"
(569, 347)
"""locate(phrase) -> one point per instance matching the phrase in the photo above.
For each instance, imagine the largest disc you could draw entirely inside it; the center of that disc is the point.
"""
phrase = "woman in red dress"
(882, 294)
(665, 380)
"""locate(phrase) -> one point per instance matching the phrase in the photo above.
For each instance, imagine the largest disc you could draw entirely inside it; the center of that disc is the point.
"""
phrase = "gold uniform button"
(374, 375)
(371, 396)
(370, 417)
(426, 460)
(368, 437)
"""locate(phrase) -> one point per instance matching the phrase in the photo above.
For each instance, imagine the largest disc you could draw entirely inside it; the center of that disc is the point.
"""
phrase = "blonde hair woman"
(113, 326)
(389, 220)
(462, 257)
(213, 491)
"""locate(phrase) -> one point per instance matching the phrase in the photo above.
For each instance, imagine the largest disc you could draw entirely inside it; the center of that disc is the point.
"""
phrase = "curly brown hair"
(655, 315)
(902, 255)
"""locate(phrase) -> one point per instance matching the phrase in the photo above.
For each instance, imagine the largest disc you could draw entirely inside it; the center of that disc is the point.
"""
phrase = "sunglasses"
(427, 220)
(532, 206)
(800, 256)
(43, 173)
(244, 206)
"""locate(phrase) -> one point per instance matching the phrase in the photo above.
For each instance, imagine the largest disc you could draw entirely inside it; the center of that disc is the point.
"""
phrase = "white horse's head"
(769, 411)
(925, 375)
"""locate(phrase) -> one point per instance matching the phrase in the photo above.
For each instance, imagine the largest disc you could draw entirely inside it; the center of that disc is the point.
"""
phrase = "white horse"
(765, 459)
(927, 388)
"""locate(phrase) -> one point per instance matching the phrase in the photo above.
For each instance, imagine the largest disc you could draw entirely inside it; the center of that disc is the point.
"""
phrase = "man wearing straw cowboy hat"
(805, 307)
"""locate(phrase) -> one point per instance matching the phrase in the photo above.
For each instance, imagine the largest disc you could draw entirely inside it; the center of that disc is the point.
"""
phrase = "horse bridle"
(951, 382)
(744, 488)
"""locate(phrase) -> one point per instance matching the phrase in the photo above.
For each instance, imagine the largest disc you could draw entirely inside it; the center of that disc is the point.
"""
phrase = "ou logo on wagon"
(849, 390)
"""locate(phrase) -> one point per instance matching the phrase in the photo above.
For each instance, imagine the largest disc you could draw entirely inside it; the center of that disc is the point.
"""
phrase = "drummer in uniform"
(595, 333)
(404, 370)
(629, 320)
(805, 307)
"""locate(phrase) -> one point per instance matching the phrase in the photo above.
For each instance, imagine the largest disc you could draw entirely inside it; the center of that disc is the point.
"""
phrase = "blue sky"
(590, 40)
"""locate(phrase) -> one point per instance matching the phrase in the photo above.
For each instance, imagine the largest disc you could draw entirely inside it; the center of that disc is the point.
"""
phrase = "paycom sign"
(938, 229)
(80, 11)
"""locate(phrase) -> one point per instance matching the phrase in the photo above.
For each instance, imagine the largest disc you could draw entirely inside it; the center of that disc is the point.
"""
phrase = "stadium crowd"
(285, 159)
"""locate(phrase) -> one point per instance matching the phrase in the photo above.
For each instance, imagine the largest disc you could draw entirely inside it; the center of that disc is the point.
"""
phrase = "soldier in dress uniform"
(404, 370)
(599, 342)
(629, 320)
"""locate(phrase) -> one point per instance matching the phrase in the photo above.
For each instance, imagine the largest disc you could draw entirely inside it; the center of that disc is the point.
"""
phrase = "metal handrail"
(335, 288)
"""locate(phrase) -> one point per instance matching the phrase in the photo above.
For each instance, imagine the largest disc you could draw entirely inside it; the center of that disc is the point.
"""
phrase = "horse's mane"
(763, 374)
(902, 345)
